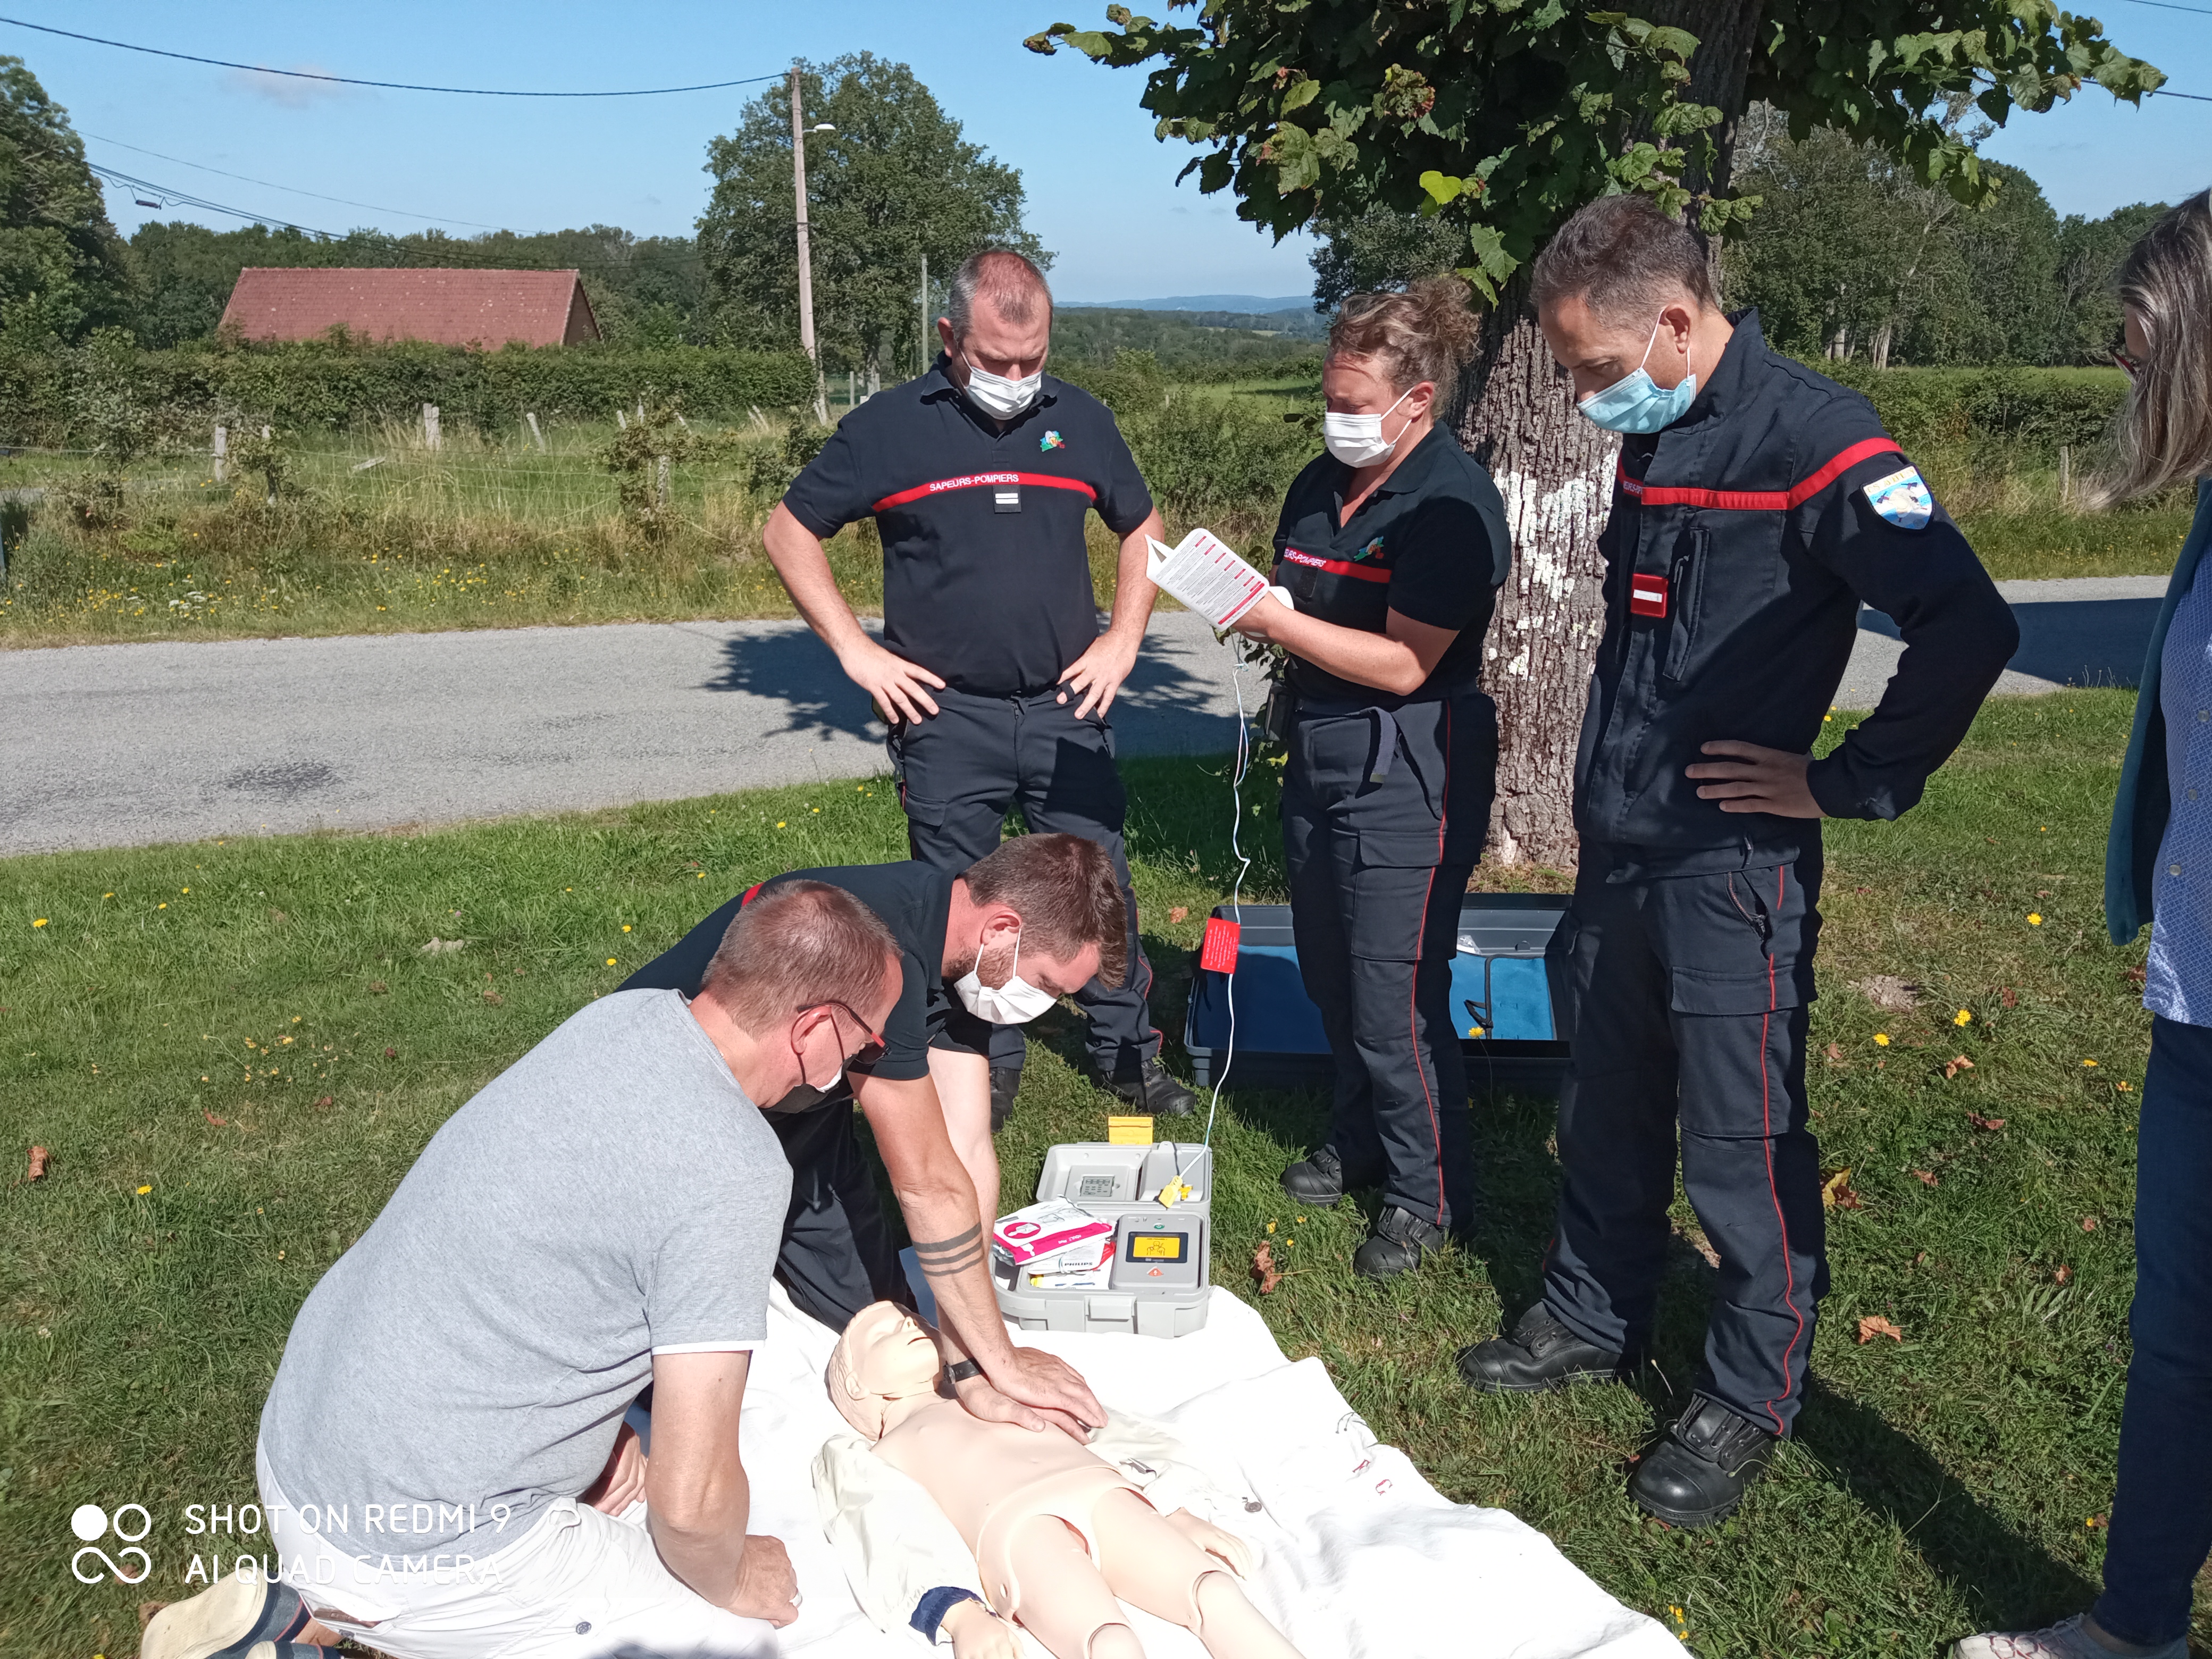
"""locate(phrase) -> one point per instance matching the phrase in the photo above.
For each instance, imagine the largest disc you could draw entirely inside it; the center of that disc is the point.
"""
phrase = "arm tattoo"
(942, 1258)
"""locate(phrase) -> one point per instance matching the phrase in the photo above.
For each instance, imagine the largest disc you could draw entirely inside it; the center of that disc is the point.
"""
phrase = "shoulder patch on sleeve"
(1901, 498)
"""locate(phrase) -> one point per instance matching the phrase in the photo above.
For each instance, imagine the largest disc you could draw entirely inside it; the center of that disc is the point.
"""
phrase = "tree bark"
(1517, 418)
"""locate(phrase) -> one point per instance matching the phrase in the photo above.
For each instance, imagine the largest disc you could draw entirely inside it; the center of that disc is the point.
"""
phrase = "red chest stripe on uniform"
(749, 892)
(1758, 501)
(981, 480)
(1335, 566)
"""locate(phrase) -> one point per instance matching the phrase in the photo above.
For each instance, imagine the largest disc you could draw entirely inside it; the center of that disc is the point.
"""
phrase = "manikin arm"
(899, 1549)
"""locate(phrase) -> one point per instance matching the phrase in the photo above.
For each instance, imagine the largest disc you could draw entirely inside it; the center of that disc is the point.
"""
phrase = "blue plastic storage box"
(1501, 999)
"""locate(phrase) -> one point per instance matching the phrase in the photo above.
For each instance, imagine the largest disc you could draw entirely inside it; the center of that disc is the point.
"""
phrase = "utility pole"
(806, 257)
(922, 340)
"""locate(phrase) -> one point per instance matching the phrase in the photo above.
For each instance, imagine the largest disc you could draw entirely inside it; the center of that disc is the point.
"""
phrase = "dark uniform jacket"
(1741, 540)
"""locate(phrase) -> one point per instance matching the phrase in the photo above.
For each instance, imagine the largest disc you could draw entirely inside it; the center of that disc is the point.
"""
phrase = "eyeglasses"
(870, 1052)
(2133, 365)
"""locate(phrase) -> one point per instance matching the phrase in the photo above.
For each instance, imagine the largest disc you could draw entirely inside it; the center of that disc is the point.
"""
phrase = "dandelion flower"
(779, 824)
(2088, 1063)
(625, 927)
(2033, 920)
(143, 1191)
(1882, 1039)
(1964, 1017)
(41, 922)
(611, 962)
(161, 906)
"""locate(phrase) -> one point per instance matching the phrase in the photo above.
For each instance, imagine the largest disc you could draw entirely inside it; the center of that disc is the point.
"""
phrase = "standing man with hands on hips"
(992, 674)
(1756, 504)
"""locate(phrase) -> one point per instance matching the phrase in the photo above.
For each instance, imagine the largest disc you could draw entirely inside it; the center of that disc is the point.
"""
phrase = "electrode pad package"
(1154, 1279)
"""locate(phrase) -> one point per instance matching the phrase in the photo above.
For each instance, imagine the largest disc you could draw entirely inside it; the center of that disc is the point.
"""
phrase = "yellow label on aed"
(1161, 1247)
(1129, 1131)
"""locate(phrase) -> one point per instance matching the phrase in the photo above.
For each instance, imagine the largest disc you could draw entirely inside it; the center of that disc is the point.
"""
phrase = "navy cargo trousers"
(962, 769)
(1686, 999)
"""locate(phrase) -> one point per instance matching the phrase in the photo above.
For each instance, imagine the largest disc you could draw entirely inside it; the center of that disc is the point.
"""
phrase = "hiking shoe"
(1397, 1245)
(1319, 1179)
(1699, 1472)
(226, 1620)
(1541, 1354)
(1152, 1088)
(2070, 1638)
(1005, 1084)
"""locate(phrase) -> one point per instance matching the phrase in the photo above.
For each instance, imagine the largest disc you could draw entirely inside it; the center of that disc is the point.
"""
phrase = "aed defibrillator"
(1150, 1276)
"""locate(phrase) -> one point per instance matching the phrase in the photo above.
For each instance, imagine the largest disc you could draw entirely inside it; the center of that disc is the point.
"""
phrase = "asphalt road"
(115, 745)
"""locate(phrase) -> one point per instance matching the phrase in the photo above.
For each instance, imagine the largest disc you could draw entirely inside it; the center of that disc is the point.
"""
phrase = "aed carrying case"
(1502, 993)
(1156, 1281)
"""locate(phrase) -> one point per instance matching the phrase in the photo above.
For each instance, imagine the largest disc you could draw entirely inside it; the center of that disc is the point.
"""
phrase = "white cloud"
(287, 90)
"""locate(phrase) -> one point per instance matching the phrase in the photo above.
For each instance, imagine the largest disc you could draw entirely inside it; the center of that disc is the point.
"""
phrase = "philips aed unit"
(1150, 1276)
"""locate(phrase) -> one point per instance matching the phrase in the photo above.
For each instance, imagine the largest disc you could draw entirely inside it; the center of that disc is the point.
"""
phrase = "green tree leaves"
(62, 266)
(894, 183)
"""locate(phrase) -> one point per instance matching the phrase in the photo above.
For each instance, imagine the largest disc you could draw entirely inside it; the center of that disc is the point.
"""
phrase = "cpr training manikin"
(931, 1503)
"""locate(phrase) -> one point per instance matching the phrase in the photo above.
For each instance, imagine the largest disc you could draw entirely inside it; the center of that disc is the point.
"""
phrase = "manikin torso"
(973, 1468)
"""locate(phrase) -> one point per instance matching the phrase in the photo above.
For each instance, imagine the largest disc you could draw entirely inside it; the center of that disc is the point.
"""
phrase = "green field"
(1957, 1478)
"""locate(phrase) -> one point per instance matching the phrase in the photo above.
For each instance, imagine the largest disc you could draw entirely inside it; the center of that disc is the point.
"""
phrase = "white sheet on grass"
(1362, 1559)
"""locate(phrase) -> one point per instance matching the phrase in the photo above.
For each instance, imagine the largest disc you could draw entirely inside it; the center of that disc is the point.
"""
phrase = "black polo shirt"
(913, 900)
(1429, 543)
(986, 579)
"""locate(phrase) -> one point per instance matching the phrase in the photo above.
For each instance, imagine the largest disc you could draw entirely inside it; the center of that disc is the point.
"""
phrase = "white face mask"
(1356, 440)
(1015, 1003)
(997, 396)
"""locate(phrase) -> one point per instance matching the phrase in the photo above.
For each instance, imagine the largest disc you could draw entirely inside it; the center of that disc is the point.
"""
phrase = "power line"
(291, 189)
(2169, 5)
(2193, 97)
(388, 85)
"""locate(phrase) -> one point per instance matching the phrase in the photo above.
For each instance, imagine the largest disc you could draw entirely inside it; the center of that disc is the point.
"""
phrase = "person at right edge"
(1393, 545)
(1756, 505)
(2158, 869)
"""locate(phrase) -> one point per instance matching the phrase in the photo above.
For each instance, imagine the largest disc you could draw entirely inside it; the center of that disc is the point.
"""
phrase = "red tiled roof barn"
(486, 308)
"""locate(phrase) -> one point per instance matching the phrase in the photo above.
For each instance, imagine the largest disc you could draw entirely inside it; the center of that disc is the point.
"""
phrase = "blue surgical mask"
(1634, 404)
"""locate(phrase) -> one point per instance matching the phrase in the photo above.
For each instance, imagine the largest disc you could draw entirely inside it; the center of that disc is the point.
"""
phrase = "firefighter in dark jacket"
(1393, 545)
(1756, 505)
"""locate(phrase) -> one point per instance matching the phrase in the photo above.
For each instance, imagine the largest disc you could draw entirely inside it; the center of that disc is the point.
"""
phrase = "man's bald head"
(1012, 284)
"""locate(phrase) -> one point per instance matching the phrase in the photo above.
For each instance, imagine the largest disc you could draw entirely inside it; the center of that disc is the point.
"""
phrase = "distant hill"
(1180, 339)
(1249, 303)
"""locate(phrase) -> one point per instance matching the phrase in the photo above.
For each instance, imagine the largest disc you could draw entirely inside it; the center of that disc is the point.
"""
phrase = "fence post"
(537, 437)
(430, 426)
(660, 483)
(621, 420)
(222, 454)
(2065, 474)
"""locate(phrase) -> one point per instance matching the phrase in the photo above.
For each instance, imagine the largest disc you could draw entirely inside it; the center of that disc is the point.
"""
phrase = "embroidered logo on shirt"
(1902, 499)
(1370, 551)
(1052, 440)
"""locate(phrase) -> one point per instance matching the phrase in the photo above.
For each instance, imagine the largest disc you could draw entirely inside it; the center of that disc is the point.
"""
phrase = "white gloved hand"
(978, 1633)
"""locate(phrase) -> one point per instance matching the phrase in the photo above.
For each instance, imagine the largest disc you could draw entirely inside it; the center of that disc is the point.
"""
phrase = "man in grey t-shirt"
(604, 1213)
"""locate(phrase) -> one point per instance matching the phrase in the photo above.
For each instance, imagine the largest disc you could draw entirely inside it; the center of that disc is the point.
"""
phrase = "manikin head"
(883, 1356)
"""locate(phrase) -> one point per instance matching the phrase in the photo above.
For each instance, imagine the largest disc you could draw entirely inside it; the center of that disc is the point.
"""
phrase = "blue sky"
(1102, 192)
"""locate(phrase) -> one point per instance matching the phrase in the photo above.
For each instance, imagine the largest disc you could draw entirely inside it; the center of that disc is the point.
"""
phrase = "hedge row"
(2026, 412)
(326, 385)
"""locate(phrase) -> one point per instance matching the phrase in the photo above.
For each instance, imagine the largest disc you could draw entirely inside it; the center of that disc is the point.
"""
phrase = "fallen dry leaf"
(2135, 975)
(275, 915)
(1981, 1123)
(1265, 1270)
(2088, 1224)
(2009, 997)
(2064, 1273)
(326, 1103)
(38, 1163)
(495, 999)
(392, 1053)
(1836, 1193)
(1835, 1052)
(1956, 1064)
(1180, 912)
(377, 987)
(1887, 991)
(219, 1123)
(1927, 1177)
(1873, 1325)
(1861, 889)
(441, 947)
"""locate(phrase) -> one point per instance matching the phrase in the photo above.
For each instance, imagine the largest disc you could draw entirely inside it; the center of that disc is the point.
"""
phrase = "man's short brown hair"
(1625, 259)
(797, 946)
(1064, 889)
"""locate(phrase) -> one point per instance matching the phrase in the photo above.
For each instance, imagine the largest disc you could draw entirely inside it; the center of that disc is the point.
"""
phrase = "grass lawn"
(233, 1049)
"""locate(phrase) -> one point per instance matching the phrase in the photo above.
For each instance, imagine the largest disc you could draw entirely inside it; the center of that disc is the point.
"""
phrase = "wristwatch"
(960, 1370)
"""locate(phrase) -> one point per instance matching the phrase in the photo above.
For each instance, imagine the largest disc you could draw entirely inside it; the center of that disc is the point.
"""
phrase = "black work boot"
(1699, 1472)
(1319, 1178)
(1005, 1084)
(1152, 1088)
(1541, 1354)
(1397, 1245)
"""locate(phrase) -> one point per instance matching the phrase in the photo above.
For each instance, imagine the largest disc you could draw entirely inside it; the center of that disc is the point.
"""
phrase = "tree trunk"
(1517, 417)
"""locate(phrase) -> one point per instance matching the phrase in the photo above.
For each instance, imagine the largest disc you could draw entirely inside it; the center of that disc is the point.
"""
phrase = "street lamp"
(806, 257)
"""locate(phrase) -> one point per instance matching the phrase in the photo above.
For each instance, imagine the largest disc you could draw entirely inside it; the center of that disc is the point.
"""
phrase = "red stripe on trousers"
(1756, 500)
(1767, 1124)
